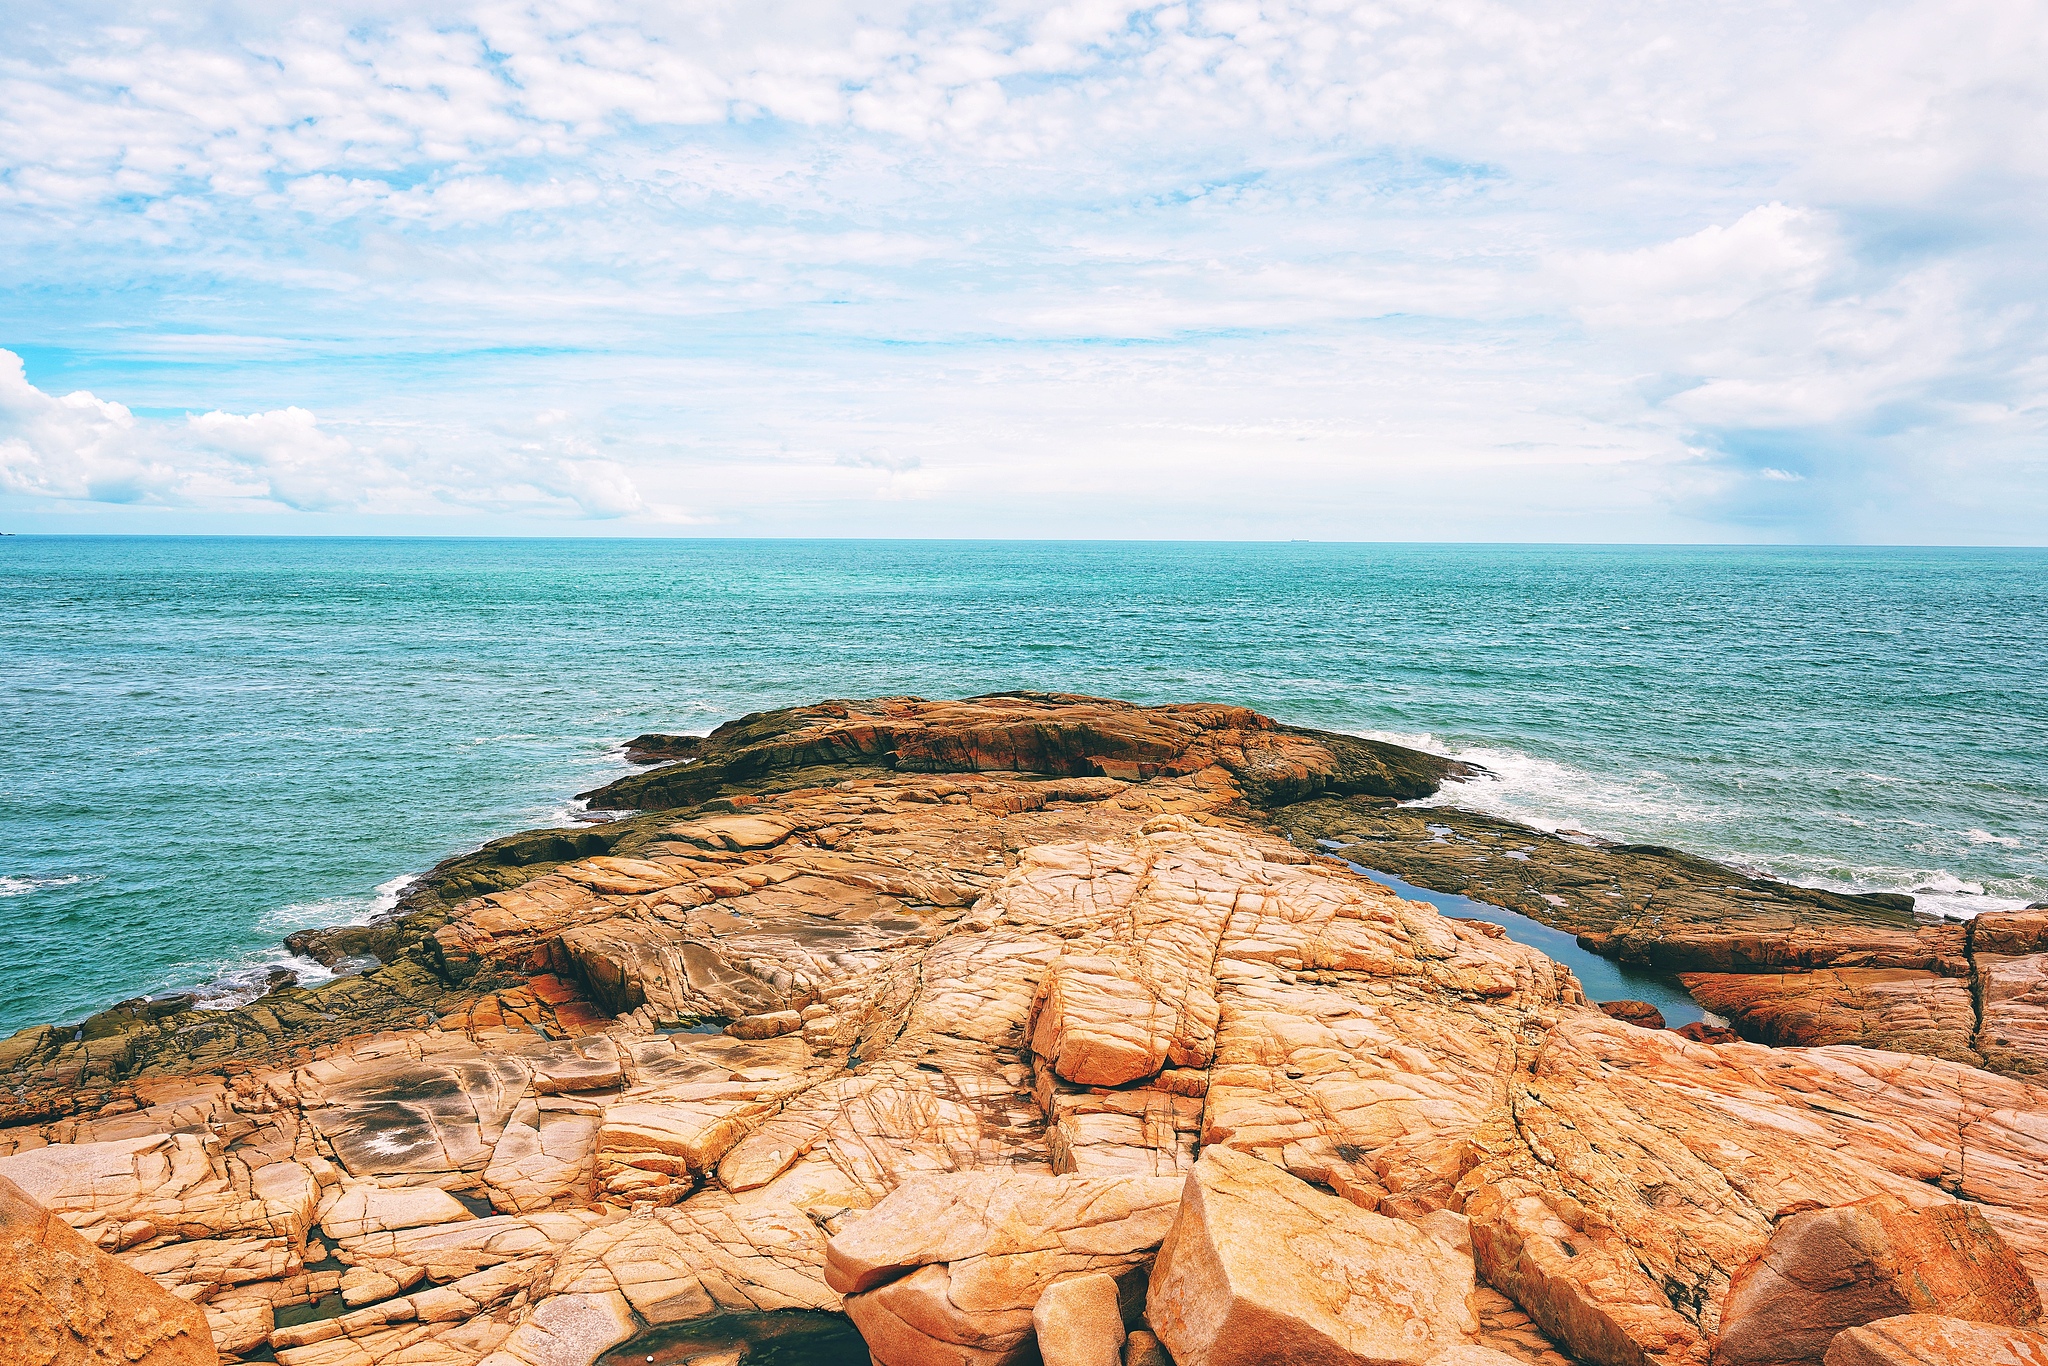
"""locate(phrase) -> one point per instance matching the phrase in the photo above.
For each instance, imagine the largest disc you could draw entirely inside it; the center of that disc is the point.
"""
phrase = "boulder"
(1143, 1349)
(949, 1268)
(1640, 1013)
(773, 1025)
(1261, 1267)
(1826, 1270)
(63, 1302)
(1932, 1340)
(1080, 1322)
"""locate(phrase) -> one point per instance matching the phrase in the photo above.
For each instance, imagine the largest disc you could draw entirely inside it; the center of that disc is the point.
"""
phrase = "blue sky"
(1381, 271)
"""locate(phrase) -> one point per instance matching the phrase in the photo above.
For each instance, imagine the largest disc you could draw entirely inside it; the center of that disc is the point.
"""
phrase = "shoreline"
(351, 947)
(1058, 950)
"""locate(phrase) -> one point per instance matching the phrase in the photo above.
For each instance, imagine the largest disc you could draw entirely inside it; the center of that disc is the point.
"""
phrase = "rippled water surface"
(210, 743)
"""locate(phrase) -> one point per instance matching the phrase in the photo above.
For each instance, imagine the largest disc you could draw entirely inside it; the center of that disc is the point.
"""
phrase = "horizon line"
(987, 540)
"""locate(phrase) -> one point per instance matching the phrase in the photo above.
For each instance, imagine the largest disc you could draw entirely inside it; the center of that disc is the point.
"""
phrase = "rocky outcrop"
(1785, 964)
(919, 1039)
(2009, 965)
(1057, 735)
(1260, 1267)
(1639, 1013)
(1931, 1340)
(1826, 1270)
(64, 1302)
(951, 1269)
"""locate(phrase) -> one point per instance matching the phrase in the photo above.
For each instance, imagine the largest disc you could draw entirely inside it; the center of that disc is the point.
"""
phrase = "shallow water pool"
(1603, 978)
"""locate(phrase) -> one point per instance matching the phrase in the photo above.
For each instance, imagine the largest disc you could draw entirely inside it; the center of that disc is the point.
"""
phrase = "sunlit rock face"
(914, 1011)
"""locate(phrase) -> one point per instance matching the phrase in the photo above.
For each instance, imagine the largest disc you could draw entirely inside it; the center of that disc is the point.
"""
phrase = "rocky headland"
(1046, 1027)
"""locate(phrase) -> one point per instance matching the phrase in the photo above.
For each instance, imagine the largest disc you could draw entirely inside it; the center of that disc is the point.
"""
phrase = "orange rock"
(1830, 1269)
(63, 1302)
(1079, 1322)
(1261, 1267)
(948, 1269)
(1909, 1009)
(1639, 1013)
(1931, 1340)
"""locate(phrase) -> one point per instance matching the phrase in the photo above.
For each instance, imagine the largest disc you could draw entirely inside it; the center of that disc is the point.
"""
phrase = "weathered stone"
(1829, 1269)
(566, 1330)
(1931, 1340)
(1639, 1013)
(949, 1268)
(1079, 1322)
(768, 1026)
(1141, 1348)
(365, 1209)
(1260, 1267)
(63, 1302)
(1909, 1009)
(1016, 941)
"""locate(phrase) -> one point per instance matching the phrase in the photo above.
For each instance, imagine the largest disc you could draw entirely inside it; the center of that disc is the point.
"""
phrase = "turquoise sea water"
(209, 743)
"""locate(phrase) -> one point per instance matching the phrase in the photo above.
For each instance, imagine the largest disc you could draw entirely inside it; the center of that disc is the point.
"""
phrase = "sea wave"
(337, 910)
(256, 976)
(1650, 807)
(241, 980)
(22, 884)
(1549, 794)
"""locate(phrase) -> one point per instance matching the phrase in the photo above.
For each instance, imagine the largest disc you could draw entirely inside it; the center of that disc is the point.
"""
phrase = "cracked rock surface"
(913, 1010)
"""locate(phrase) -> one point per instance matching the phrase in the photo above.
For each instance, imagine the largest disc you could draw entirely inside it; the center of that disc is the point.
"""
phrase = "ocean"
(212, 742)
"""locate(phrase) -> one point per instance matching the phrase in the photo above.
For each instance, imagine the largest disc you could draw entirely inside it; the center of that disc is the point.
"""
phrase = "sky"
(1336, 271)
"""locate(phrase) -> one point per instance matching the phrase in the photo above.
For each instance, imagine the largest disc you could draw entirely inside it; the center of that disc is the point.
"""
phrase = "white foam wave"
(1552, 795)
(1649, 807)
(337, 910)
(245, 979)
(256, 976)
(22, 884)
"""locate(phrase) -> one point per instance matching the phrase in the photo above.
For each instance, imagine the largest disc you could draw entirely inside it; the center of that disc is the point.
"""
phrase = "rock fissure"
(980, 1085)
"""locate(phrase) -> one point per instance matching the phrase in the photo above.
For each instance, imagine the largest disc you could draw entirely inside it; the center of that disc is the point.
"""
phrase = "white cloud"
(77, 446)
(1532, 235)
(82, 449)
(299, 465)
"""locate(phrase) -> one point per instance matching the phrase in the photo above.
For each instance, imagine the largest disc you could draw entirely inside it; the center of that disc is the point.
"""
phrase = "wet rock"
(62, 1300)
(1261, 1267)
(1641, 1014)
(1699, 1031)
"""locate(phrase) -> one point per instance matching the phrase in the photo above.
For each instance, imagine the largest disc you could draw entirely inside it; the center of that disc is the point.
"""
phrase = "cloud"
(82, 449)
(1682, 246)
(879, 458)
(77, 446)
(301, 466)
